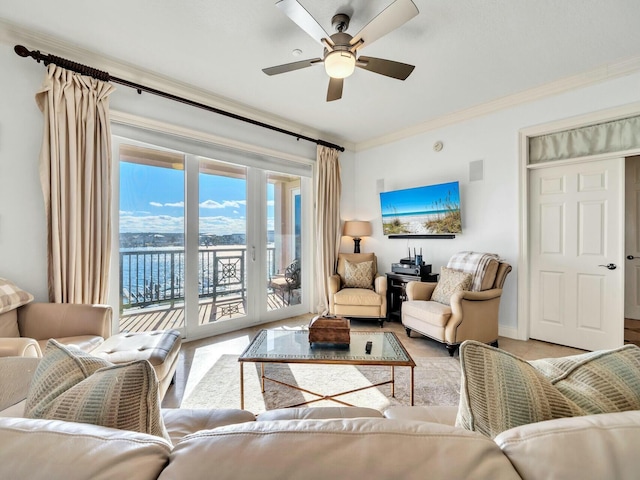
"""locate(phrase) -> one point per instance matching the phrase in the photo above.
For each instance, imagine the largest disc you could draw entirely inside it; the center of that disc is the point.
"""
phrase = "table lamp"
(356, 229)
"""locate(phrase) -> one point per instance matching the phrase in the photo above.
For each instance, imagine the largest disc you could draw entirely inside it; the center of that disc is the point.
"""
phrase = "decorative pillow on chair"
(450, 282)
(74, 386)
(12, 296)
(358, 275)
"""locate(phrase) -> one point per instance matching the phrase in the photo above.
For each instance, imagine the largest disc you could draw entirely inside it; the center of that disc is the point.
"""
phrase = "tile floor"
(198, 356)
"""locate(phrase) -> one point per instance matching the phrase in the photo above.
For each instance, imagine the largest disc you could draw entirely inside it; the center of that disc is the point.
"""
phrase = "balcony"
(152, 284)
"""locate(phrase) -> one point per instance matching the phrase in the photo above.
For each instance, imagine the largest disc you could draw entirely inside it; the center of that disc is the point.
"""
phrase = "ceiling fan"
(340, 49)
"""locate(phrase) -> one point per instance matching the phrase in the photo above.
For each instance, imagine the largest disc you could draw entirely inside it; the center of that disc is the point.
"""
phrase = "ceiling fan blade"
(335, 89)
(396, 14)
(302, 18)
(290, 67)
(388, 68)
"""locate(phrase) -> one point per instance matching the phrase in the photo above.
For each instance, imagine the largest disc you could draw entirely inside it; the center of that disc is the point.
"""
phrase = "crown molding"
(11, 33)
(605, 72)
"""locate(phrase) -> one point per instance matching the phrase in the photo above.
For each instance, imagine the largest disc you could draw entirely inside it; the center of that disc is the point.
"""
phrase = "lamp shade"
(340, 64)
(357, 228)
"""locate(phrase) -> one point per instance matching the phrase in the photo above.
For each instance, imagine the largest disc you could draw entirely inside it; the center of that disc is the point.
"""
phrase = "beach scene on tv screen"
(428, 210)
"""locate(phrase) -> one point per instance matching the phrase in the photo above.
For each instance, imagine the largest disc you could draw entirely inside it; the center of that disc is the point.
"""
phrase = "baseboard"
(508, 332)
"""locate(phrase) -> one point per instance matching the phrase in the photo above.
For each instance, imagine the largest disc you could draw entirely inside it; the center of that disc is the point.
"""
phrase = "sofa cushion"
(72, 385)
(357, 296)
(598, 382)
(338, 448)
(358, 275)
(593, 446)
(38, 449)
(500, 391)
(16, 374)
(433, 313)
(450, 282)
(9, 324)
(12, 296)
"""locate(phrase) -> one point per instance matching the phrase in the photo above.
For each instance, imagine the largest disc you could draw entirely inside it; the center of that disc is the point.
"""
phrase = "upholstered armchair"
(25, 330)
(452, 310)
(356, 289)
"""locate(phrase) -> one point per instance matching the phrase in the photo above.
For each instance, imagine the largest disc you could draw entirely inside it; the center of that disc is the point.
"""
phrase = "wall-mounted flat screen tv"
(428, 210)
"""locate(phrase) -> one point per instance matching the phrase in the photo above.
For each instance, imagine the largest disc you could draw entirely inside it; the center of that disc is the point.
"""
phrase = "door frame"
(524, 272)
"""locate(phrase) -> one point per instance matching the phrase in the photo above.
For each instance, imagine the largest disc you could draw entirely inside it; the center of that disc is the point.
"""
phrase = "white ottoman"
(160, 347)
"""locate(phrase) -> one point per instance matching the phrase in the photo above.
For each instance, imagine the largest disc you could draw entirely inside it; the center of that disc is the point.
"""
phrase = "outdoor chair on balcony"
(286, 283)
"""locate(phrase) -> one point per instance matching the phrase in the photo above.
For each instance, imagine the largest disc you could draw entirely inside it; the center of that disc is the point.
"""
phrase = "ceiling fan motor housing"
(340, 22)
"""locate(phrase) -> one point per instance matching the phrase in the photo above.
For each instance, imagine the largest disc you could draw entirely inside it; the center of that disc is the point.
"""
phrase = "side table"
(396, 291)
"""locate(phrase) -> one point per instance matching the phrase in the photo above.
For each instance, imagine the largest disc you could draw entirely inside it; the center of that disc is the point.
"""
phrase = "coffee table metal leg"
(411, 391)
(242, 385)
(393, 382)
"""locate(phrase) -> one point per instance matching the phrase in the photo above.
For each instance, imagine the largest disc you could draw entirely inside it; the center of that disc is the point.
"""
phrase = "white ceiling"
(466, 52)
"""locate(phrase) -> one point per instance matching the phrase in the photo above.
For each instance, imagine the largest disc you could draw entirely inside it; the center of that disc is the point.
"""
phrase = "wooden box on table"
(329, 330)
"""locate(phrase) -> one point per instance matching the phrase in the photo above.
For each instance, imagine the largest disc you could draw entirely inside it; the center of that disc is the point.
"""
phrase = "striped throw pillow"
(500, 391)
(74, 386)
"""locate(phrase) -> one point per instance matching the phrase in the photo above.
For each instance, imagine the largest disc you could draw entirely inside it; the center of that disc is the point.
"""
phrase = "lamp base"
(356, 245)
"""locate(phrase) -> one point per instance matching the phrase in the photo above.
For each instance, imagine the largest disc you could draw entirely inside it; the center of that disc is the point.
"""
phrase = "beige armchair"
(471, 315)
(368, 301)
(24, 331)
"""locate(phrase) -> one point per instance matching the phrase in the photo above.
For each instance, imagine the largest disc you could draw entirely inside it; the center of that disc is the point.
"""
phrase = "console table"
(396, 290)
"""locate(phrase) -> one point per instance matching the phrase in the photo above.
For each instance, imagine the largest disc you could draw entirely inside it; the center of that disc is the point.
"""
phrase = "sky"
(419, 199)
(152, 200)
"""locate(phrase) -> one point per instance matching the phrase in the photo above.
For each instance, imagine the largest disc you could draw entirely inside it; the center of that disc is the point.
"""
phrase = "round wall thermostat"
(437, 146)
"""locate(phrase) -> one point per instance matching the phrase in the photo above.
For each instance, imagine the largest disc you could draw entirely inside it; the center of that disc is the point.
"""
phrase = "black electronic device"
(368, 347)
(410, 269)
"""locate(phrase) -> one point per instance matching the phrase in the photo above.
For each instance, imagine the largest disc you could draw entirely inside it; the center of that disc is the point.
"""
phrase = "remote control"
(368, 346)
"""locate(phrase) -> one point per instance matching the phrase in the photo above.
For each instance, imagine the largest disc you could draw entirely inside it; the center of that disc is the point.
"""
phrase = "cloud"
(223, 204)
(174, 204)
(271, 203)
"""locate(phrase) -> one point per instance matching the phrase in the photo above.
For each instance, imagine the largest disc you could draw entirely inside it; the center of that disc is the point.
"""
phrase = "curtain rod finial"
(22, 51)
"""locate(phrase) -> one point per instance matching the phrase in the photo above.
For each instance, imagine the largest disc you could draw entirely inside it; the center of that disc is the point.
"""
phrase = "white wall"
(489, 207)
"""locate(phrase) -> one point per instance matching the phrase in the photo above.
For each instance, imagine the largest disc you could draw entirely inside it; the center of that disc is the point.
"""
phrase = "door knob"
(631, 257)
(610, 266)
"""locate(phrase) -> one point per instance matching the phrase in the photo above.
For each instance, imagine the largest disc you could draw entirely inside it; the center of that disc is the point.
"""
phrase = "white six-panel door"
(576, 230)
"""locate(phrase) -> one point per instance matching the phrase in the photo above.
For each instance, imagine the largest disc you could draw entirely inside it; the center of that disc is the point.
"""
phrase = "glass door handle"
(253, 253)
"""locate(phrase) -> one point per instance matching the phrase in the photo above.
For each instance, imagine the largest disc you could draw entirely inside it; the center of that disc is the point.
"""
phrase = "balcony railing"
(157, 276)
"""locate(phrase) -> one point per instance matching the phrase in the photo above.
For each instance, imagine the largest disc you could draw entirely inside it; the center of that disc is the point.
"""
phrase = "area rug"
(436, 382)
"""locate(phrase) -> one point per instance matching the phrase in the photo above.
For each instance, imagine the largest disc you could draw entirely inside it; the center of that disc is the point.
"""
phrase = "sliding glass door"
(205, 245)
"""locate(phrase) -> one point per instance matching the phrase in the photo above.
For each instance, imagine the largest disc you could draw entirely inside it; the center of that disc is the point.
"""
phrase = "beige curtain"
(75, 172)
(328, 189)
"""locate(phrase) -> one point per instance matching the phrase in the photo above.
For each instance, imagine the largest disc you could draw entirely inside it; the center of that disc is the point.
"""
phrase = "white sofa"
(321, 443)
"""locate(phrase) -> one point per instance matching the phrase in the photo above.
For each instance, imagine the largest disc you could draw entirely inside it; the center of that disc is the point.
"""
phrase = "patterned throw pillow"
(450, 282)
(500, 391)
(358, 275)
(74, 386)
(599, 382)
(12, 296)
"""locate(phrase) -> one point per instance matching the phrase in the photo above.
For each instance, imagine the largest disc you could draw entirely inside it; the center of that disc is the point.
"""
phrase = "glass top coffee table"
(292, 346)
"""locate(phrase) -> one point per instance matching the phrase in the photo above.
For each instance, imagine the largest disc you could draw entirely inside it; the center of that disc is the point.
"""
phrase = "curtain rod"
(104, 76)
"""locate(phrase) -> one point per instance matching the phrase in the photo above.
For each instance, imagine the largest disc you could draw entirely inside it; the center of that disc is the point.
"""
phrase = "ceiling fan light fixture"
(340, 63)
